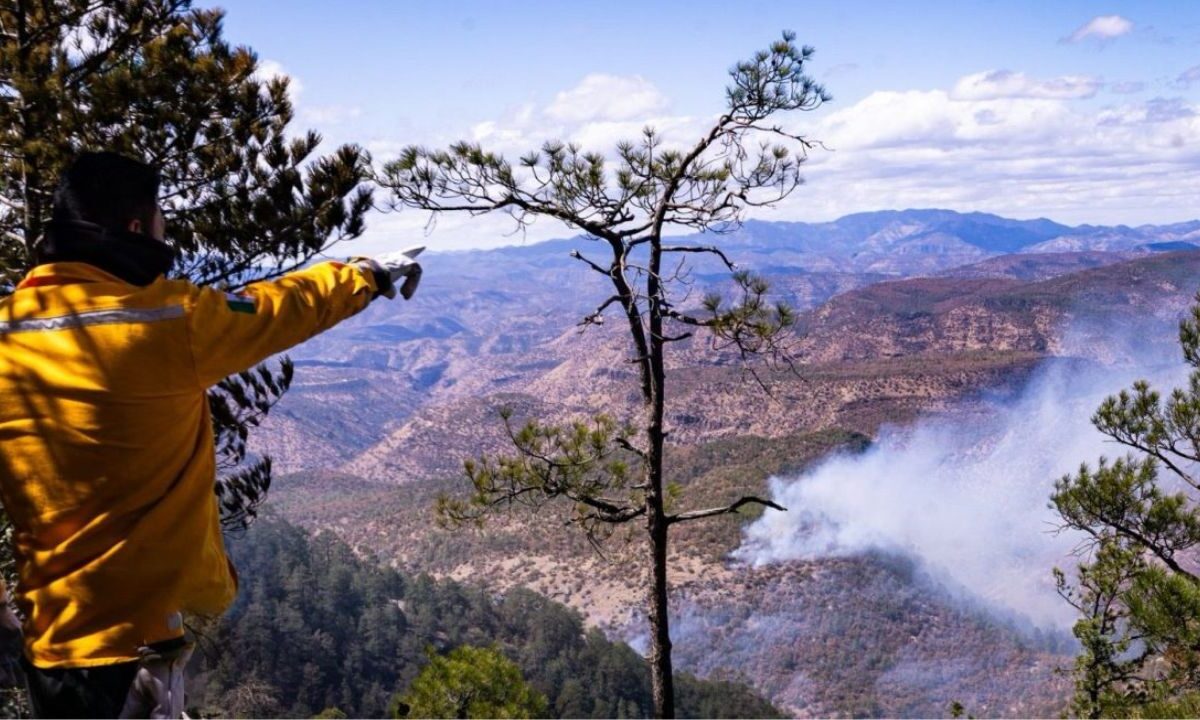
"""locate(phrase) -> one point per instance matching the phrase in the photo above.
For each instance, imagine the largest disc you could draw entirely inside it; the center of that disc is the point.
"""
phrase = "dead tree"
(613, 472)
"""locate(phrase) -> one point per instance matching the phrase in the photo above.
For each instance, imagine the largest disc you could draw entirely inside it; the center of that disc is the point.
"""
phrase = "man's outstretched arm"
(231, 332)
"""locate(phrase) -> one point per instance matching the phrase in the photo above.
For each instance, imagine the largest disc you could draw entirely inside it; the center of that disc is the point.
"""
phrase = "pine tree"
(471, 682)
(1139, 593)
(245, 197)
(612, 472)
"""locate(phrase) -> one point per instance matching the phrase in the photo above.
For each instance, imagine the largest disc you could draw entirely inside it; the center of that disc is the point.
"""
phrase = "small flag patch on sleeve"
(240, 303)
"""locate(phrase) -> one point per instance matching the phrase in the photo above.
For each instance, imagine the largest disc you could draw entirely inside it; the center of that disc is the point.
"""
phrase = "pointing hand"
(391, 267)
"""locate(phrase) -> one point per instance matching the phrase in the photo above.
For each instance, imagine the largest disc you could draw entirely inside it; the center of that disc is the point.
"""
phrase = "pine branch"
(724, 510)
(597, 316)
(594, 266)
(701, 249)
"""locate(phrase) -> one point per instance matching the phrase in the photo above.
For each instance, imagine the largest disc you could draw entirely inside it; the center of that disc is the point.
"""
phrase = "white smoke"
(966, 496)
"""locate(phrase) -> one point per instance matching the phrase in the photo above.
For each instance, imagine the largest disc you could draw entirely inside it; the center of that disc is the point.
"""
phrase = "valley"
(902, 316)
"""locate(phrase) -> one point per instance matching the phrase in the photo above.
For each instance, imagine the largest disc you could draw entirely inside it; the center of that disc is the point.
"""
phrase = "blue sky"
(1077, 111)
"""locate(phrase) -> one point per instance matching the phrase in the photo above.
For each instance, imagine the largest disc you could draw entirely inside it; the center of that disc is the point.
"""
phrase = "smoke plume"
(966, 496)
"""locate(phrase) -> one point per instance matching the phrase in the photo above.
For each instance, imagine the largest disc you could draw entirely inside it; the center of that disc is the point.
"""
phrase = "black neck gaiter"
(135, 258)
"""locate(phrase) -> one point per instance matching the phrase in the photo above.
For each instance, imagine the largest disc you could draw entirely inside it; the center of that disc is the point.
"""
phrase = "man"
(106, 446)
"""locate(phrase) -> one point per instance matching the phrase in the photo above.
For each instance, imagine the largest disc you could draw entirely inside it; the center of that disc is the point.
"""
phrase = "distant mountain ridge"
(988, 232)
(895, 242)
(495, 321)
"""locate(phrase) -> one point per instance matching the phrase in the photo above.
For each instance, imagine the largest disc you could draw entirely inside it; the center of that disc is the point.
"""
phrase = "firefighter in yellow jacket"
(107, 463)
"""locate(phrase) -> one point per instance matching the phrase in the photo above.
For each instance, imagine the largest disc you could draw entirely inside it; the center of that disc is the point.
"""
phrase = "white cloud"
(387, 232)
(270, 69)
(319, 115)
(607, 97)
(596, 114)
(1103, 27)
(503, 136)
(1008, 144)
(595, 124)
(992, 84)
(1020, 157)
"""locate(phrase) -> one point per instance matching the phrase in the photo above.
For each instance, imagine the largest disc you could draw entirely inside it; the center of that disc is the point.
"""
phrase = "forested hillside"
(828, 638)
(317, 626)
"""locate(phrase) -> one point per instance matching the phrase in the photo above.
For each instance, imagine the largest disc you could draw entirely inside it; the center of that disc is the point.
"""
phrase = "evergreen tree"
(471, 682)
(1139, 593)
(612, 472)
(245, 198)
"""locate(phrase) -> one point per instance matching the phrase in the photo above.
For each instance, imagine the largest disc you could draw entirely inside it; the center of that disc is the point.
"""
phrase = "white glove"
(157, 690)
(393, 267)
(402, 265)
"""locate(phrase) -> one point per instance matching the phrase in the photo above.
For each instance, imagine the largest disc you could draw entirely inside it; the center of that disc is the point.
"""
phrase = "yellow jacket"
(106, 446)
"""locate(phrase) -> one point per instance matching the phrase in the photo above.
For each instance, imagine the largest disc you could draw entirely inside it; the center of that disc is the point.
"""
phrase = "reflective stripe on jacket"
(106, 445)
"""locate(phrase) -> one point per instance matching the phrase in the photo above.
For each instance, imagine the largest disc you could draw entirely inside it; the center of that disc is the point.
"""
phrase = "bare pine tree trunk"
(662, 679)
(662, 676)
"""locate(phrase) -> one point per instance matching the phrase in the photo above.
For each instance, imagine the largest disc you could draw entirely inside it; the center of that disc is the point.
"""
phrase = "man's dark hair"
(107, 189)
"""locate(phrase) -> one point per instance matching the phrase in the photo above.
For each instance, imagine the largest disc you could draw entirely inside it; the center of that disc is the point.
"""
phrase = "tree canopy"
(471, 682)
(1138, 592)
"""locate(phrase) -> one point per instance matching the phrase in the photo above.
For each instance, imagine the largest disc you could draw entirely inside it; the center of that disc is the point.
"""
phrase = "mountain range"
(902, 314)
